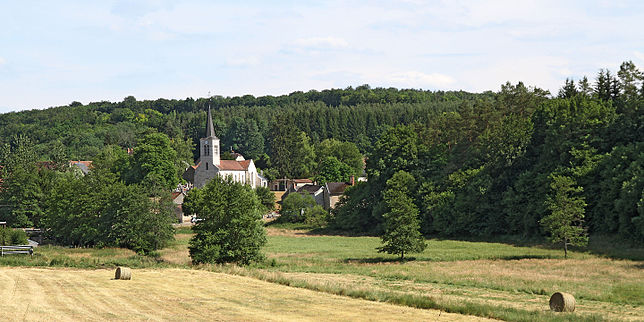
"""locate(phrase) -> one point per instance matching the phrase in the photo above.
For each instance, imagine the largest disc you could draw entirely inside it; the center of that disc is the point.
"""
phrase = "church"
(210, 164)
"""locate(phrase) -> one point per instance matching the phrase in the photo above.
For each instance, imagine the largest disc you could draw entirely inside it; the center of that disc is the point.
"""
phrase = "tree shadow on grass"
(378, 260)
(520, 257)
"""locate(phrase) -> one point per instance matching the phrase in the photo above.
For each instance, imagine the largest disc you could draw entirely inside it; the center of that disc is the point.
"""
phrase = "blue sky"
(56, 52)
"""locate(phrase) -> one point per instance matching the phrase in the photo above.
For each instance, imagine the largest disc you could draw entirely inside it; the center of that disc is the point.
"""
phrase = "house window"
(206, 166)
(206, 149)
(216, 150)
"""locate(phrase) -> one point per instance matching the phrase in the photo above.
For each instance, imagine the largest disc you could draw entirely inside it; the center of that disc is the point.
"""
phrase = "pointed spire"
(210, 129)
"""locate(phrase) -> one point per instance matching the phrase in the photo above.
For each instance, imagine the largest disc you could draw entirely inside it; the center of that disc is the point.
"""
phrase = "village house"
(84, 166)
(335, 190)
(326, 195)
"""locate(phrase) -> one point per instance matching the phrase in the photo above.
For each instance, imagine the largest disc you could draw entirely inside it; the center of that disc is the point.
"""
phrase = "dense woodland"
(483, 163)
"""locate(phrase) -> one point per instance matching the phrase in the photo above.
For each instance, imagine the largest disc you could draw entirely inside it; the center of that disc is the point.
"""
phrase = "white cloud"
(2, 61)
(322, 42)
(416, 79)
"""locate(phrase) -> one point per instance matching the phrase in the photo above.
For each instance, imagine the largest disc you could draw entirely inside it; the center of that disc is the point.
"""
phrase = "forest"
(483, 164)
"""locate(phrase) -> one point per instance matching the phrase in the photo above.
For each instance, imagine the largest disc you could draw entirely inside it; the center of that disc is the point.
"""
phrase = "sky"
(55, 52)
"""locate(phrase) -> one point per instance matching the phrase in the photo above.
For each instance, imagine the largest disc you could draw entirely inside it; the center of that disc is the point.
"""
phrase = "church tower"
(209, 146)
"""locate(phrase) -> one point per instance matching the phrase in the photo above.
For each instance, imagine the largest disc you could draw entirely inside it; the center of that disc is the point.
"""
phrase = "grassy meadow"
(494, 280)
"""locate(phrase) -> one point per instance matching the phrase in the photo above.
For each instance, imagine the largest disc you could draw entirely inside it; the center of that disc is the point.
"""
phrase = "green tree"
(569, 90)
(402, 225)
(304, 156)
(345, 152)
(291, 152)
(266, 198)
(99, 210)
(629, 80)
(231, 230)
(154, 161)
(564, 223)
(294, 207)
(333, 170)
(21, 192)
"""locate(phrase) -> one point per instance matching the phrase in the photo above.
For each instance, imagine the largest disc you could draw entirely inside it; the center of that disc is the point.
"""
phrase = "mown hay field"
(47, 294)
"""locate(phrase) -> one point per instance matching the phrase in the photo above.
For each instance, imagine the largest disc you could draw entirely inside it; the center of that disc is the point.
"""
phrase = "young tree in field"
(231, 230)
(402, 226)
(566, 213)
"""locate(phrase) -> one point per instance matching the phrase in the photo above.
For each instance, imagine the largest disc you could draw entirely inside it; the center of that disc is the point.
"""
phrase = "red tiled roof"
(175, 195)
(85, 163)
(232, 165)
(302, 181)
(245, 164)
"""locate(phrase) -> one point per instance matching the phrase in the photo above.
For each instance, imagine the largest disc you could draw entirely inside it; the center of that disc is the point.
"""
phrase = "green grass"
(545, 269)
(474, 271)
(57, 256)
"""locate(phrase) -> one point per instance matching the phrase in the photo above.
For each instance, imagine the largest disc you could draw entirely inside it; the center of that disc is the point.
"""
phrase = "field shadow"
(520, 257)
(377, 260)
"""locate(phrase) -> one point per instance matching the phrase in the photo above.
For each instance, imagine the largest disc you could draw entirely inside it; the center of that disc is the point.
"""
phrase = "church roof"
(210, 129)
(232, 165)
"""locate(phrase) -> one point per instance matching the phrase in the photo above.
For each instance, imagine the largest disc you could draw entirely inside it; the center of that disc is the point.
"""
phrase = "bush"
(316, 216)
(10, 237)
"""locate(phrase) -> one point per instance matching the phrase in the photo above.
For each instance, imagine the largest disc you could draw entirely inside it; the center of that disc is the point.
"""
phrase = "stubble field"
(37, 294)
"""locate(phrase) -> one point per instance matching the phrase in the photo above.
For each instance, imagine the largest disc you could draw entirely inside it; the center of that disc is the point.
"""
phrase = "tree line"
(507, 166)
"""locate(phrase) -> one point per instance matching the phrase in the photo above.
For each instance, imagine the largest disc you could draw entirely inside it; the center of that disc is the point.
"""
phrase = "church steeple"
(210, 129)
(209, 145)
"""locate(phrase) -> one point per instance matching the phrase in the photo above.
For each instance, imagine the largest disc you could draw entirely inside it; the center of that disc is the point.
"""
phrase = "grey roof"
(310, 188)
(210, 129)
(336, 188)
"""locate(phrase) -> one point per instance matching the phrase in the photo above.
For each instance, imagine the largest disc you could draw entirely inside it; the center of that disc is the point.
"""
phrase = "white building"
(211, 165)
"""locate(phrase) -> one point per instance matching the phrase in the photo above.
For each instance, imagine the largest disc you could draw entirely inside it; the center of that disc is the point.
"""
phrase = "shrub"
(316, 216)
(10, 237)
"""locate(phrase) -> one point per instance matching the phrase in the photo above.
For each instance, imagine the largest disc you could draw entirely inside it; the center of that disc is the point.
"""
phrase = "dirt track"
(175, 294)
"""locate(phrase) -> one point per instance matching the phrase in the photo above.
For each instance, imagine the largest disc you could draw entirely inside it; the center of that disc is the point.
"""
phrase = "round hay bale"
(123, 273)
(562, 302)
